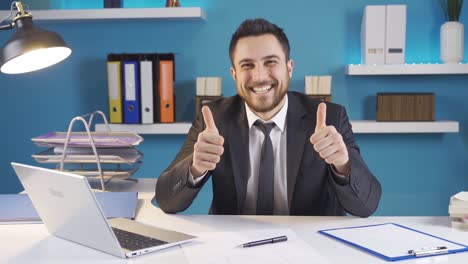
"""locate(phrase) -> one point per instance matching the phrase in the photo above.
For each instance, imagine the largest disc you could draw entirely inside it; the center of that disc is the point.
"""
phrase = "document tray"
(84, 155)
(81, 139)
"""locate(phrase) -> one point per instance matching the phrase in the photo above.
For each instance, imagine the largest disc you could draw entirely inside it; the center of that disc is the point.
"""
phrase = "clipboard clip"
(428, 251)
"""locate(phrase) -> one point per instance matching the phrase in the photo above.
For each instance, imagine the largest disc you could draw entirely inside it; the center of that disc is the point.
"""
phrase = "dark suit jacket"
(312, 187)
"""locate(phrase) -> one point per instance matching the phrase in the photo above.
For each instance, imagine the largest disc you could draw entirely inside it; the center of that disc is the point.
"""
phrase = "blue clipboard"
(393, 242)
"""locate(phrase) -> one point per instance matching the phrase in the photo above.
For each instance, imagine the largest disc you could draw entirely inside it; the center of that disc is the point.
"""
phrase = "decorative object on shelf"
(112, 4)
(405, 107)
(172, 3)
(30, 48)
(452, 32)
(383, 34)
(207, 90)
(395, 34)
(318, 87)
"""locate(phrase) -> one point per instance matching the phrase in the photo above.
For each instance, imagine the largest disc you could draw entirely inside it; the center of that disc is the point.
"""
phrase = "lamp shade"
(31, 48)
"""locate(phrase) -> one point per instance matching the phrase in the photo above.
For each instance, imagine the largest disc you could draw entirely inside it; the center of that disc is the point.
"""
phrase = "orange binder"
(166, 88)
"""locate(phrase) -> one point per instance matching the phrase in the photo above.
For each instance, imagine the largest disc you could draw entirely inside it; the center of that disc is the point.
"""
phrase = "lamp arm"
(21, 14)
(9, 26)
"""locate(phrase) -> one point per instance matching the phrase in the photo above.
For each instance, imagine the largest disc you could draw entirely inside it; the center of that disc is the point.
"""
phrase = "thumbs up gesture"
(329, 143)
(208, 148)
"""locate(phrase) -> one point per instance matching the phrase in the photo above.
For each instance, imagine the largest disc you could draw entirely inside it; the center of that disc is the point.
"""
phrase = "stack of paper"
(458, 210)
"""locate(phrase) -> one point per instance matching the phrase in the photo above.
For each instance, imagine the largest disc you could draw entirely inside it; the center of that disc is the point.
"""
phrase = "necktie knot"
(264, 127)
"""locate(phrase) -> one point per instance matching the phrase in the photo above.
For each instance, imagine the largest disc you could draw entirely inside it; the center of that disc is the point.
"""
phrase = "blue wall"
(418, 172)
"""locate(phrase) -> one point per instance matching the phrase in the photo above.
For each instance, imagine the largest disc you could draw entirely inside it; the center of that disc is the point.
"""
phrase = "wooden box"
(405, 107)
(323, 97)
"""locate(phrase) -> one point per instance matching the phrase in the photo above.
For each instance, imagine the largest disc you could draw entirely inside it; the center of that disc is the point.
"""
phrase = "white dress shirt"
(278, 140)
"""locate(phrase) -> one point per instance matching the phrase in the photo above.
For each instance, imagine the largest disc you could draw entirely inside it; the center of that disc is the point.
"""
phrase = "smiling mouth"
(261, 90)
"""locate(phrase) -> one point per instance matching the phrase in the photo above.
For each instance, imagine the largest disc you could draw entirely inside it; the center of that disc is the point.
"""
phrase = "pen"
(428, 251)
(265, 241)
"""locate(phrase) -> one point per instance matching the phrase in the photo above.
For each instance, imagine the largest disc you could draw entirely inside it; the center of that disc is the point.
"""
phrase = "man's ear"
(233, 73)
(290, 65)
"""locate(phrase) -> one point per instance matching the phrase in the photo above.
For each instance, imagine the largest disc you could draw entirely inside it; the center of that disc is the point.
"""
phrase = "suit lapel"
(239, 150)
(296, 139)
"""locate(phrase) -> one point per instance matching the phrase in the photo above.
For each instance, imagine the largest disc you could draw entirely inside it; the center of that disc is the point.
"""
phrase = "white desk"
(32, 243)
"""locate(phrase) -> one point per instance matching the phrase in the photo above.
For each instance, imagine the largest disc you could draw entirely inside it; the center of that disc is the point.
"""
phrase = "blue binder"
(18, 207)
(393, 242)
(131, 89)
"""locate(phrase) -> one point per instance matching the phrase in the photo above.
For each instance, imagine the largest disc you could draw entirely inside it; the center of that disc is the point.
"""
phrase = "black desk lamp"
(30, 48)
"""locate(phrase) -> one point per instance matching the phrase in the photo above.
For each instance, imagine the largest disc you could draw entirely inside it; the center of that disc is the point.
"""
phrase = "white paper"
(224, 247)
(462, 197)
(390, 240)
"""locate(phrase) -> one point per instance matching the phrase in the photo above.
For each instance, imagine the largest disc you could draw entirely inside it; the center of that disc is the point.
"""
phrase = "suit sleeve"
(174, 192)
(361, 196)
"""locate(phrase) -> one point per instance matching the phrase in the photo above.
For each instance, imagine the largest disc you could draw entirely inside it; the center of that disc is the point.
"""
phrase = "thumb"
(321, 116)
(209, 121)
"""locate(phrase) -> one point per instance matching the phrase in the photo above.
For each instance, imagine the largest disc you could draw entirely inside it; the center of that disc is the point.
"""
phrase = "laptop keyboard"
(132, 241)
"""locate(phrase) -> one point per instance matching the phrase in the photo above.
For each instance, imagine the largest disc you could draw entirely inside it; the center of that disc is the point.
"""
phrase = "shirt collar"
(279, 119)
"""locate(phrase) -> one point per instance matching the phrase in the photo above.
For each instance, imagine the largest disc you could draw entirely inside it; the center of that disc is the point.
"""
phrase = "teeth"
(261, 89)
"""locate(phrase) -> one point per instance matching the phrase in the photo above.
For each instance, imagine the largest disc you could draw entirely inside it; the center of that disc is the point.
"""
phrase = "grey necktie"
(266, 172)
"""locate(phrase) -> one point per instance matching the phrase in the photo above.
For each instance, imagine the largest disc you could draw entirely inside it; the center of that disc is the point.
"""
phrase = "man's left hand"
(329, 143)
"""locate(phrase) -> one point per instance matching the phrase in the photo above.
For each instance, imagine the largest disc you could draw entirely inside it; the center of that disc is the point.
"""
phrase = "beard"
(267, 103)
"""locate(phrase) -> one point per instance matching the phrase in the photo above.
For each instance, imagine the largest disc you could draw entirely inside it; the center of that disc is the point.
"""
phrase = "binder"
(114, 83)
(394, 242)
(112, 4)
(146, 84)
(166, 88)
(373, 34)
(395, 34)
(155, 65)
(131, 81)
(19, 208)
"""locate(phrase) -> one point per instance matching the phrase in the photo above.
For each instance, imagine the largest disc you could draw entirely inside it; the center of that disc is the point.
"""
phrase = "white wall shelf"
(61, 15)
(359, 127)
(407, 69)
(372, 126)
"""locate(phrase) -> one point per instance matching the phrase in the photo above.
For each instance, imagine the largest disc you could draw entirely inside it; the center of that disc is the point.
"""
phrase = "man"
(267, 150)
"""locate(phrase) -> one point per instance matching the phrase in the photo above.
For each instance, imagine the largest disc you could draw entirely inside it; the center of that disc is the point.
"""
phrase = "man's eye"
(271, 62)
(246, 65)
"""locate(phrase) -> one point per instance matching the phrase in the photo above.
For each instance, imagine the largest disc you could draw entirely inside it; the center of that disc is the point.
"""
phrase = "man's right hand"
(208, 148)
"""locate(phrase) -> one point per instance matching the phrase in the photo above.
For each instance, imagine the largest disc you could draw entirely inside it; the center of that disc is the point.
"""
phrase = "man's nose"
(260, 74)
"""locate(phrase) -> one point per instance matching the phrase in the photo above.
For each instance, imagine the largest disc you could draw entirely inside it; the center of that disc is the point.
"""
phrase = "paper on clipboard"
(391, 241)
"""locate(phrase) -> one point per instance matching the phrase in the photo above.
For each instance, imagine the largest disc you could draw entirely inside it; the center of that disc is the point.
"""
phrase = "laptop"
(69, 209)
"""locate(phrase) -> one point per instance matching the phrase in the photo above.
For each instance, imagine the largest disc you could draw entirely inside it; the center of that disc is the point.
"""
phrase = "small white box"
(395, 34)
(373, 34)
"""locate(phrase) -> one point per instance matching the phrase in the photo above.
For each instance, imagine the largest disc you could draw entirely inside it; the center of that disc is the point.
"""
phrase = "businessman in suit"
(269, 151)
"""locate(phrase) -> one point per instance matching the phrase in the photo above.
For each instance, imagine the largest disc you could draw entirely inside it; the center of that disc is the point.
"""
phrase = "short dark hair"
(257, 27)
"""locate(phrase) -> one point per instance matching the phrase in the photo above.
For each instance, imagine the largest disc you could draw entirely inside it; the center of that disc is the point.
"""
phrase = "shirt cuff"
(194, 181)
